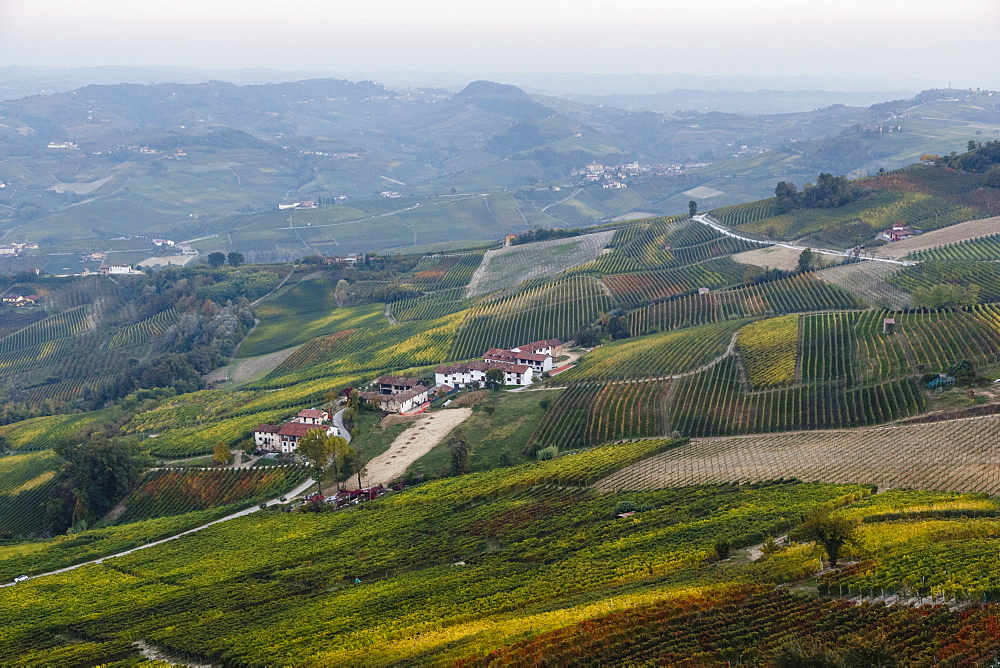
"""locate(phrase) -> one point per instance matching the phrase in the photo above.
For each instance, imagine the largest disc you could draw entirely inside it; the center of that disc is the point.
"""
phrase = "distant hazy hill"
(196, 160)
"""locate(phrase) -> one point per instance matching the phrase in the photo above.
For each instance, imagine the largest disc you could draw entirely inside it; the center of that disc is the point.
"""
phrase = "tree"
(235, 259)
(588, 337)
(221, 454)
(547, 454)
(354, 464)
(321, 452)
(945, 294)
(494, 379)
(618, 327)
(96, 475)
(216, 260)
(458, 445)
(806, 260)
(992, 179)
(787, 196)
(830, 530)
(692, 208)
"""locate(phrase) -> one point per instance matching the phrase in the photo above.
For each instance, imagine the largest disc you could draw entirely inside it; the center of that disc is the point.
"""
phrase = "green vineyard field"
(68, 323)
(985, 275)
(716, 403)
(658, 355)
(586, 415)
(441, 272)
(25, 484)
(641, 288)
(553, 311)
(983, 249)
(802, 292)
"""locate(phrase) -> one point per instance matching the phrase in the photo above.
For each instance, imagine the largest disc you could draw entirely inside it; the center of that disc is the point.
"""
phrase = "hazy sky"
(930, 41)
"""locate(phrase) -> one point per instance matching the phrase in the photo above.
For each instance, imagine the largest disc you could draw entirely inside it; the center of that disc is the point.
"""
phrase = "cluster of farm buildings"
(17, 247)
(20, 300)
(520, 367)
(397, 394)
(285, 438)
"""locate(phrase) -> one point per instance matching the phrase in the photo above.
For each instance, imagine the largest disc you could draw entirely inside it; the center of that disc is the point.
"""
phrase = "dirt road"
(426, 432)
(946, 235)
(298, 490)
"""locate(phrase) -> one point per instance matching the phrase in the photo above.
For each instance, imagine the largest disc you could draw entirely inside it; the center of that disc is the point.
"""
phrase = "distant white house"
(520, 365)
(539, 362)
(462, 375)
(309, 204)
(312, 416)
(118, 269)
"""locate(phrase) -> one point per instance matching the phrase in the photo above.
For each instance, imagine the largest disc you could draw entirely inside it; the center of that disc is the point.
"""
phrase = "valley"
(490, 424)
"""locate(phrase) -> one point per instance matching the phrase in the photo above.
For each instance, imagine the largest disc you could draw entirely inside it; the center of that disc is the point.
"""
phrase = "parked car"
(20, 578)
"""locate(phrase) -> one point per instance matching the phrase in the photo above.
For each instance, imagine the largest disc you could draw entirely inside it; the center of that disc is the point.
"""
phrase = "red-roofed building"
(311, 416)
(460, 375)
(539, 362)
(396, 384)
(400, 402)
(292, 432)
(265, 436)
(552, 347)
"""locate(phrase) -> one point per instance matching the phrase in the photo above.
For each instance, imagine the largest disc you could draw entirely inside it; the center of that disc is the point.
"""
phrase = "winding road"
(715, 225)
(298, 490)
(338, 422)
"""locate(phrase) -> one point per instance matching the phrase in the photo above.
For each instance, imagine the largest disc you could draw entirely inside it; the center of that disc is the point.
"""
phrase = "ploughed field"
(958, 455)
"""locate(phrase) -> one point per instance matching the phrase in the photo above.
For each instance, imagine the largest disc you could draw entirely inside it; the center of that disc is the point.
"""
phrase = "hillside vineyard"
(483, 417)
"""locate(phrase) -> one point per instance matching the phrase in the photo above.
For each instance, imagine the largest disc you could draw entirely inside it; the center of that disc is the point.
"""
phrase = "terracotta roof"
(481, 365)
(544, 343)
(296, 429)
(266, 429)
(398, 380)
(409, 394)
(313, 413)
(500, 354)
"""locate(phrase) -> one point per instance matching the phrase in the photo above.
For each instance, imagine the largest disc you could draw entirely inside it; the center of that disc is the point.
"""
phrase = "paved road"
(243, 513)
(338, 422)
(705, 220)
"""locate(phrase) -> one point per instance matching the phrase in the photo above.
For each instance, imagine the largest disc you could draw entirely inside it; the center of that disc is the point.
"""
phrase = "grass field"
(956, 455)
(497, 432)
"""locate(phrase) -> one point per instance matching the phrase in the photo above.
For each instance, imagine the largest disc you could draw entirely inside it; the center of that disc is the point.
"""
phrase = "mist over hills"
(637, 92)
